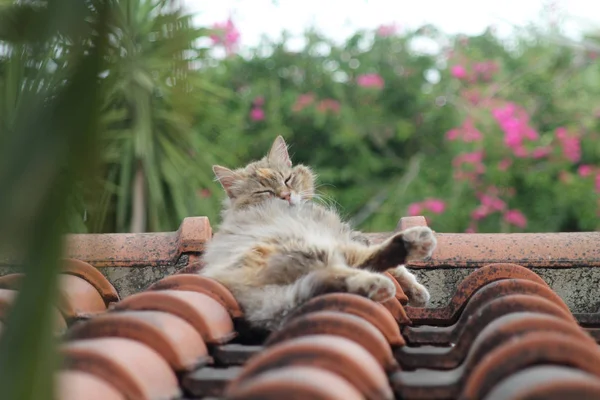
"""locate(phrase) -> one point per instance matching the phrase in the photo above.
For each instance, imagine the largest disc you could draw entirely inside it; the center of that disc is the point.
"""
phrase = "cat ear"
(225, 176)
(279, 153)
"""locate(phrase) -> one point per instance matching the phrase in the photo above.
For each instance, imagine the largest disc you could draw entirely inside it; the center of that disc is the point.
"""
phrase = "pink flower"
(480, 213)
(370, 81)
(329, 105)
(458, 71)
(387, 30)
(415, 209)
(516, 218)
(257, 114)
(570, 144)
(504, 164)
(259, 101)
(452, 134)
(436, 206)
(226, 35)
(203, 193)
(492, 202)
(303, 101)
(467, 132)
(541, 152)
(585, 170)
(514, 121)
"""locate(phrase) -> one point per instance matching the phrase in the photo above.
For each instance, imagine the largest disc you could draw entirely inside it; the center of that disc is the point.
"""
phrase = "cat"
(276, 248)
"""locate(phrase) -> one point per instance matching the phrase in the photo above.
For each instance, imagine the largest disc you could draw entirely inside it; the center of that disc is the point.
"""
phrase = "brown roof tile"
(170, 336)
(203, 312)
(134, 369)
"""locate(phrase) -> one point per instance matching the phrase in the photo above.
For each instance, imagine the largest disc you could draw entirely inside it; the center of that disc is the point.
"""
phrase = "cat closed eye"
(265, 192)
(287, 180)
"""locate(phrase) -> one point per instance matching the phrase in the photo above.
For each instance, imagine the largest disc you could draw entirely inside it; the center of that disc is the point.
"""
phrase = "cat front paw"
(419, 241)
(418, 295)
(376, 287)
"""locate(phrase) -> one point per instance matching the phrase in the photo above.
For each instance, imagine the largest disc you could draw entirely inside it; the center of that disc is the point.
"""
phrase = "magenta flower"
(514, 121)
(259, 101)
(226, 34)
(329, 105)
(303, 101)
(504, 164)
(585, 170)
(370, 81)
(387, 30)
(516, 218)
(458, 71)
(480, 213)
(492, 203)
(466, 133)
(541, 152)
(436, 206)
(571, 146)
(415, 209)
(257, 114)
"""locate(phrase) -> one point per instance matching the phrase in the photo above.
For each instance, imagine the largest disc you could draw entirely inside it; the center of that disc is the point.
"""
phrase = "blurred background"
(481, 117)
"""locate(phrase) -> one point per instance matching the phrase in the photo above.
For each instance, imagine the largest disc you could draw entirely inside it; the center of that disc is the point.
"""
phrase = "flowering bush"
(504, 141)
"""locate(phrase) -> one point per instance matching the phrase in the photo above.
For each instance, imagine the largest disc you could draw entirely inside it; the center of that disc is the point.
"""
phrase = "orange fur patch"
(264, 173)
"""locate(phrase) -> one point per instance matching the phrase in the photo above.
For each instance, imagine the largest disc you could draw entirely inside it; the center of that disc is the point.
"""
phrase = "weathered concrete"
(579, 287)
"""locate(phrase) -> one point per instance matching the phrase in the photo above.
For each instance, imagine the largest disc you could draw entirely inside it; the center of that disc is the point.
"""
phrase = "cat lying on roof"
(275, 249)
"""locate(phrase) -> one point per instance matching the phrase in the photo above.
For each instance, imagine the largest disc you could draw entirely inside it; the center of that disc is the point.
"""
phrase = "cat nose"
(285, 195)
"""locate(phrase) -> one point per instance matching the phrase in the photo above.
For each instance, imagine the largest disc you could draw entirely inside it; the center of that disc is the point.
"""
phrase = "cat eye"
(265, 192)
(287, 180)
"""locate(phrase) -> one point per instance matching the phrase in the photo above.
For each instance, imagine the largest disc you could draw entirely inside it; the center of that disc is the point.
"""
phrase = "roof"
(503, 334)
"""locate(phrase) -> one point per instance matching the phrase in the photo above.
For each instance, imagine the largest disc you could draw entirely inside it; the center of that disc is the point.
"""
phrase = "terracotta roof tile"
(505, 333)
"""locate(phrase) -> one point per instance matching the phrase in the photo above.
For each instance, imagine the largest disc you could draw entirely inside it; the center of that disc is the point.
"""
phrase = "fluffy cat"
(275, 248)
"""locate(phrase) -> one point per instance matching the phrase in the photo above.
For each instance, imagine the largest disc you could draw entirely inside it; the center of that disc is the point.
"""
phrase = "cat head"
(272, 177)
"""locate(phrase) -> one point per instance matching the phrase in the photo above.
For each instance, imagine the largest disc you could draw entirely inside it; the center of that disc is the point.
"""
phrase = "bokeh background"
(482, 117)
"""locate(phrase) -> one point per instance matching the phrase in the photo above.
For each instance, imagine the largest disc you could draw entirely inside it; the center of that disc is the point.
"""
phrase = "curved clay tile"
(530, 349)
(203, 312)
(547, 382)
(332, 353)
(472, 323)
(201, 284)
(170, 336)
(397, 311)
(360, 306)
(11, 281)
(134, 369)
(339, 324)
(78, 298)
(94, 277)
(75, 385)
(400, 295)
(296, 383)
(475, 280)
(6, 298)
(497, 332)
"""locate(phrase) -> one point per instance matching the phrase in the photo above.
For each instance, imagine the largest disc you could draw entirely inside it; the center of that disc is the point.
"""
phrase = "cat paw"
(418, 295)
(419, 242)
(376, 287)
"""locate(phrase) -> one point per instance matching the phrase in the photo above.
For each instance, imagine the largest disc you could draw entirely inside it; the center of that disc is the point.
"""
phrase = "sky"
(340, 18)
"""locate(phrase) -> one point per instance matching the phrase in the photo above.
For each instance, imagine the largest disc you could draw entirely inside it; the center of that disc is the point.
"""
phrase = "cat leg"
(411, 244)
(391, 255)
(344, 279)
(418, 295)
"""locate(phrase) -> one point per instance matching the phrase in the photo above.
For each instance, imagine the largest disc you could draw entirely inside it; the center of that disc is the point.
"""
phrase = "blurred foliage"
(47, 144)
(370, 115)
